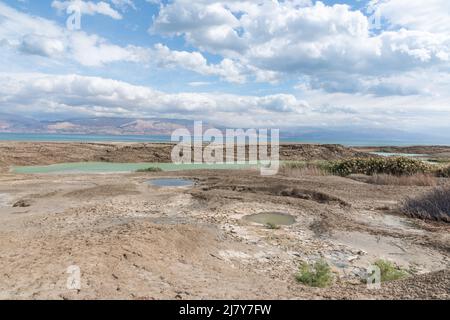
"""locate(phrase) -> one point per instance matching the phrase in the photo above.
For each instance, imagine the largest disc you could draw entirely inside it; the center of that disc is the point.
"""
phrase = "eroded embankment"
(45, 153)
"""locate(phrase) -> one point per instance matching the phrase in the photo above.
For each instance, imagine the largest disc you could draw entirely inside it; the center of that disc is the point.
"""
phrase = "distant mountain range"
(99, 126)
(165, 127)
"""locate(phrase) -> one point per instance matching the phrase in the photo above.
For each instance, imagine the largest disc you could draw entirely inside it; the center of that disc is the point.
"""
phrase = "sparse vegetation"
(302, 168)
(390, 272)
(150, 169)
(443, 172)
(419, 179)
(433, 206)
(306, 171)
(315, 275)
(370, 166)
(272, 226)
(384, 170)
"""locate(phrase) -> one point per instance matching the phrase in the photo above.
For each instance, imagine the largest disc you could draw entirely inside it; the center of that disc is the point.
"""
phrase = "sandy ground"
(132, 240)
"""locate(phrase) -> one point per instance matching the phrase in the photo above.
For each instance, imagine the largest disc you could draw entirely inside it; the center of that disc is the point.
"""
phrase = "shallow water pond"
(171, 182)
(276, 218)
(107, 167)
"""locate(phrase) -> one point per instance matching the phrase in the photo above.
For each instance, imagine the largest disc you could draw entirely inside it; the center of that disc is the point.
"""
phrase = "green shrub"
(315, 275)
(389, 271)
(150, 169)
(443, 172)
(370, 166)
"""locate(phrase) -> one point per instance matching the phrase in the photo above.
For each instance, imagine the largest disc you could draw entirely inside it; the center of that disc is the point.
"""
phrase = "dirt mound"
(283, 191)
(319, 152)
(104, 191)
(45, 153)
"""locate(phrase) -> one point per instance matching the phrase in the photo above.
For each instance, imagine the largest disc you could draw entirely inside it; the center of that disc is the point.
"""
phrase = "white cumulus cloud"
(88, 7)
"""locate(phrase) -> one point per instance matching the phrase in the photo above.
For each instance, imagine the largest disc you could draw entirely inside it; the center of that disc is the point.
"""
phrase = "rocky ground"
(132, 240)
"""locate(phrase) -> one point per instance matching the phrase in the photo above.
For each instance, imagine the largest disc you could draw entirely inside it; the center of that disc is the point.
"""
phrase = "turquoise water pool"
(407, 155)
(106, 167)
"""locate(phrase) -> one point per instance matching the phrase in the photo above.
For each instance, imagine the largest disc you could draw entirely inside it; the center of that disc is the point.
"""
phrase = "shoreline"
(374, 147)
(22, 153)
(166, 139)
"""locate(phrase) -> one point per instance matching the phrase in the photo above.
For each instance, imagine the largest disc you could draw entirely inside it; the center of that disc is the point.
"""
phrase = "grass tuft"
(302, 168)
(150, 169)
(389, 272)
(272, 226)
(317, 275)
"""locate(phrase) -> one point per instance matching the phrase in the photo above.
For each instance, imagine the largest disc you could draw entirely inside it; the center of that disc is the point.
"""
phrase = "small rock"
(22, 204)
(362, 253)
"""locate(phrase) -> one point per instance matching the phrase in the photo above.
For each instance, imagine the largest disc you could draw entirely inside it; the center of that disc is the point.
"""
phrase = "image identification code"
(226, 310)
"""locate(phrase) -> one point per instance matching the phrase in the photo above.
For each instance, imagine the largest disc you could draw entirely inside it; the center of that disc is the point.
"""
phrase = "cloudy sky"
(374, 64)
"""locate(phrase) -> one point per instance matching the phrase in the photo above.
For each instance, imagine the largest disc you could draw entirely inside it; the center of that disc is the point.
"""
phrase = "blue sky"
(373, 64)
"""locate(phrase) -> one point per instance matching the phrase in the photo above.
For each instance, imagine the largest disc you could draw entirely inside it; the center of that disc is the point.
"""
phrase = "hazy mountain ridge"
(165, 127)
(109, 126)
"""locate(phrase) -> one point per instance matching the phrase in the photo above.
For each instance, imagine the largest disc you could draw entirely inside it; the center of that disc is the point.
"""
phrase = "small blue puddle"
(171, 182)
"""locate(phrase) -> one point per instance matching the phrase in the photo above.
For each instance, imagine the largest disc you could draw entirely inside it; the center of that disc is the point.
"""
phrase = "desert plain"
(135, 240)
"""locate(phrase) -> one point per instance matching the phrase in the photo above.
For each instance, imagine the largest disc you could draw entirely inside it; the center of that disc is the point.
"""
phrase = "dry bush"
(443, 172)
(419, 179)
(301, 169)
(301, 172)
(432, 206)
